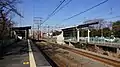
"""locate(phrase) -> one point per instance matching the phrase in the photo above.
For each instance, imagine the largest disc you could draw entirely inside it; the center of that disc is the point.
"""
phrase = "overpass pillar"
(88, 35)
(78, 32)
(118, 51)
(25, 34)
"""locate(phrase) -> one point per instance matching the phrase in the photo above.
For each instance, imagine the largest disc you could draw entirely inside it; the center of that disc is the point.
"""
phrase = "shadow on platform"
(17, 48)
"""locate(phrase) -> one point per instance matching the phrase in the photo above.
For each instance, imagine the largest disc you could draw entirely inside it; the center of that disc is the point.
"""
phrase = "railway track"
(57, 60)
(61, 63)
(95, 57)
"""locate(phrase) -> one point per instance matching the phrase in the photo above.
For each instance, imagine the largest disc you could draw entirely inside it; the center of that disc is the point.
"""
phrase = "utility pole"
(33, 30)
(38, 22)
(48, 31)
(38, 31)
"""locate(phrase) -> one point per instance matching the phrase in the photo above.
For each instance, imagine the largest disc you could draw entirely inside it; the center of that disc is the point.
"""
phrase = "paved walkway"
(23, 54)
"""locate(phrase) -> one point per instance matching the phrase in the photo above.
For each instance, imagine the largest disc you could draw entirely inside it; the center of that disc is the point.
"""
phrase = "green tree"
(116, 29)
(106, 32)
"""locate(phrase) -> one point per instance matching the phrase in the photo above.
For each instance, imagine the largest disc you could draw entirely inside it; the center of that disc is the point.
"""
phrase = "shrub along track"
(89, 55)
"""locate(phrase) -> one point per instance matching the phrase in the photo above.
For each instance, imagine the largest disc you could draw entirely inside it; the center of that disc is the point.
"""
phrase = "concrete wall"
(60, 39)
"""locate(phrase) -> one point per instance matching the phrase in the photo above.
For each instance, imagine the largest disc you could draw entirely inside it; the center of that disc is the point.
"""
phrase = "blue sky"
(42, 8)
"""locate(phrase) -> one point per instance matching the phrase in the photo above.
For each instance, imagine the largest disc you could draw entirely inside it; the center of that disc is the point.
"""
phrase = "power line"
(85, 10)
(53, 11)
(62, 7)
(10, 7)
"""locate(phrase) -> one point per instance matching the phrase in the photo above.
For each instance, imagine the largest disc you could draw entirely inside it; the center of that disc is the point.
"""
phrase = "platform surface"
(17, 55)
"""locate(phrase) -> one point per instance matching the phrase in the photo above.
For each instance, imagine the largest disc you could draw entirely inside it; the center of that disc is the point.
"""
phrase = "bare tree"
(7, 8)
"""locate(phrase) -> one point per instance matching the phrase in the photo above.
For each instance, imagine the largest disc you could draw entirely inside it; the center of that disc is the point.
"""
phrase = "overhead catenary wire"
(53, 11)
(85, 10)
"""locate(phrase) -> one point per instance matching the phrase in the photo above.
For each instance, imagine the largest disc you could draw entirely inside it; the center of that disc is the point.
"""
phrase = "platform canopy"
(73, 30)
(21, 28)
(86, 25)
(80, 26)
